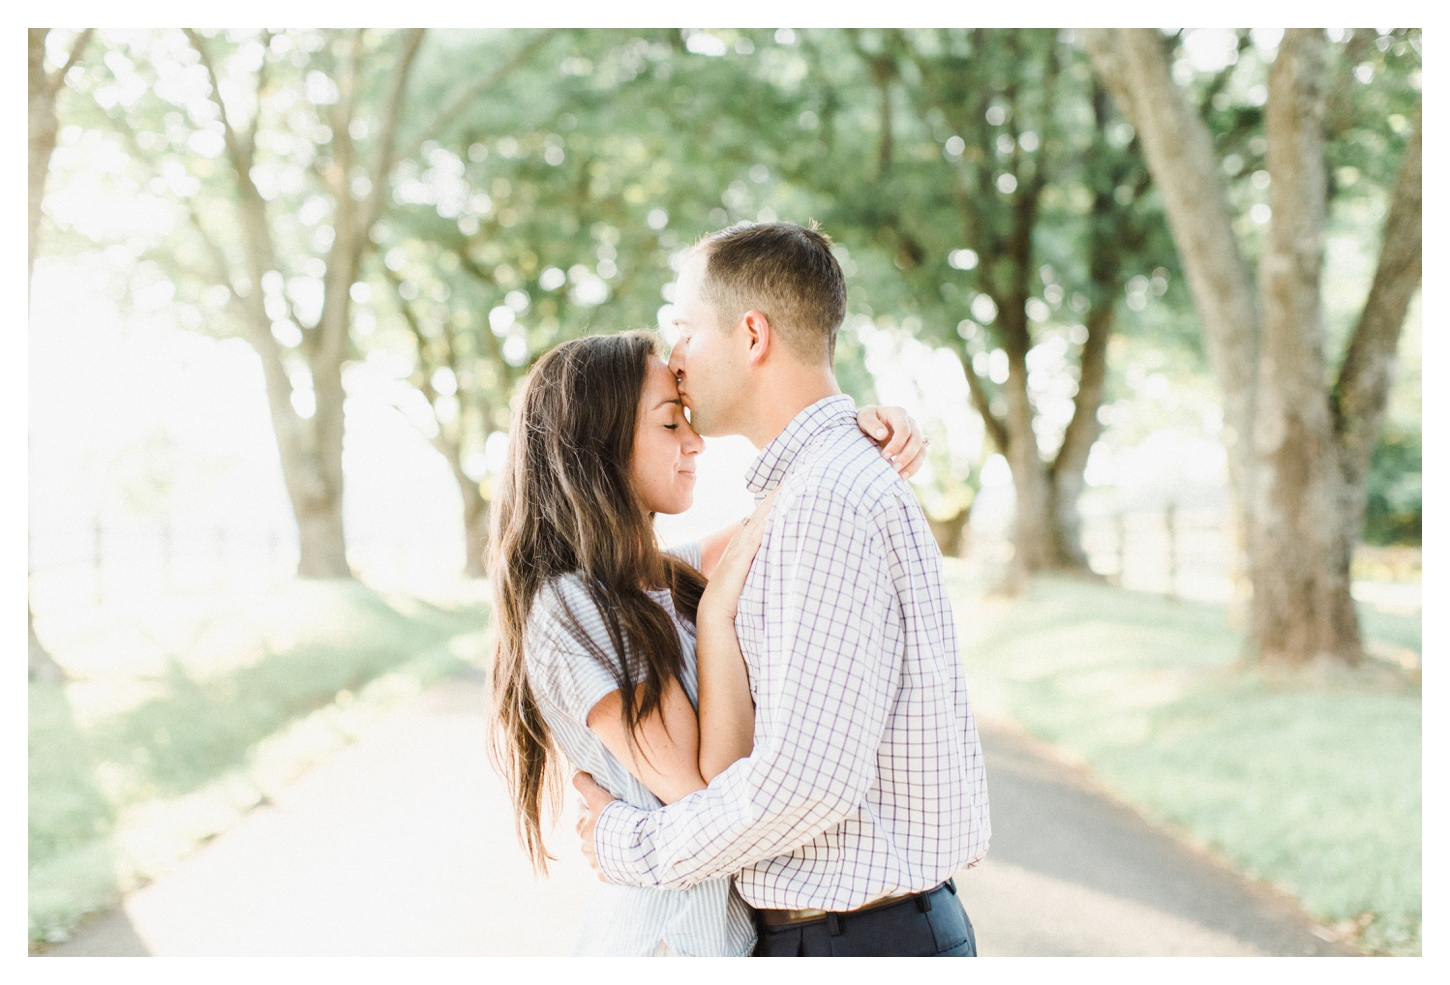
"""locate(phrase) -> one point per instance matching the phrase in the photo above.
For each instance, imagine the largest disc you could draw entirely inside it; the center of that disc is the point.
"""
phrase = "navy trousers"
(929, 924)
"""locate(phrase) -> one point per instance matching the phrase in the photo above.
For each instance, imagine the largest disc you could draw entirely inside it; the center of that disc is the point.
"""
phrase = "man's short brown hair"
(785, 271)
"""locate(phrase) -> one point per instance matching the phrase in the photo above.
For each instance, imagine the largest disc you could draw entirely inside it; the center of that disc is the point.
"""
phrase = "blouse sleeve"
(562, 668)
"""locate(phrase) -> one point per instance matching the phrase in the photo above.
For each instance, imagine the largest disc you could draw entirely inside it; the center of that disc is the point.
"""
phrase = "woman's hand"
(722, 593)
(593, 800)
(906, 448)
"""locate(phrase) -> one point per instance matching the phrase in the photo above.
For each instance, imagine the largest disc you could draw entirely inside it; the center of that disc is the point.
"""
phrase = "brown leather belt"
(789, 918)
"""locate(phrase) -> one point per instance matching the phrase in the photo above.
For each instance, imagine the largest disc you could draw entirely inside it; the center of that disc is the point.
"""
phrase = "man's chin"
(701, 423)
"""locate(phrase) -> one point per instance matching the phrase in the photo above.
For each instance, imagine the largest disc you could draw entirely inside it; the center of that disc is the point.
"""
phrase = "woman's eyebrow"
(671, 400)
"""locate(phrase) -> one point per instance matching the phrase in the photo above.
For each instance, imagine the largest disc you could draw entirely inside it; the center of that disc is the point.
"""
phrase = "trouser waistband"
(794, 918)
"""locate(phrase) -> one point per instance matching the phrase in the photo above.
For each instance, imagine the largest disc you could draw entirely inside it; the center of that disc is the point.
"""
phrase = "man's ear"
(758, 334)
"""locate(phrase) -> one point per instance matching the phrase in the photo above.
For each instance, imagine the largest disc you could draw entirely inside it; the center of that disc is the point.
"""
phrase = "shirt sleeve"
(561, 667)
(689, 553)
(833, 667)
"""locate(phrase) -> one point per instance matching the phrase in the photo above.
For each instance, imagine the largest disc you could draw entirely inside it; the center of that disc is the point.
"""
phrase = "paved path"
(401, 844)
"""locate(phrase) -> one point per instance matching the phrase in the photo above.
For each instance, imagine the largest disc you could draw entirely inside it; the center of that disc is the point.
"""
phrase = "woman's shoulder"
(561, 601)
(689, 553)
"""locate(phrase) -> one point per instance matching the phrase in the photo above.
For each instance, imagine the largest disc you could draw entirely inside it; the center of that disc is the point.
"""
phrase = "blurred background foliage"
(985, 196)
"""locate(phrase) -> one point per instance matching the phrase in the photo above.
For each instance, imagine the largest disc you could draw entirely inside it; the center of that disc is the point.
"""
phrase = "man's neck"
(783, 396)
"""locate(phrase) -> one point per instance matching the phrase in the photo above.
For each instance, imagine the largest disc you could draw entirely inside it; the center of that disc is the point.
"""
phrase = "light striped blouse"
(709, 918)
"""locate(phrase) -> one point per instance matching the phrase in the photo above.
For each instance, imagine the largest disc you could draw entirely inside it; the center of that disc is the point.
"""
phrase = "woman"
(604, 643)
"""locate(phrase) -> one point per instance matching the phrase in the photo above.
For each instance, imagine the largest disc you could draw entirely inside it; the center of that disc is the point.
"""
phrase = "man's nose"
(677, 359)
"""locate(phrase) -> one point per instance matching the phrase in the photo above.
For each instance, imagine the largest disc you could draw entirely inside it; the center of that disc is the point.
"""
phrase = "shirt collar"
(775, 459)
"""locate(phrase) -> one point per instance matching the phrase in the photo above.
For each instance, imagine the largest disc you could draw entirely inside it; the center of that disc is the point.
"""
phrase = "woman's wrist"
(715, 611)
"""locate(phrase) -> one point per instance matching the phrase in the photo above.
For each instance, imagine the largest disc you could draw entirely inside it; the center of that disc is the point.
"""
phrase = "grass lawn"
(154, 748)
(1311, 783)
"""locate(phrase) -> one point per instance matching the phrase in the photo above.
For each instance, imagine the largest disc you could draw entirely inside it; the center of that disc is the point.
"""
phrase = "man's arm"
(832, 674)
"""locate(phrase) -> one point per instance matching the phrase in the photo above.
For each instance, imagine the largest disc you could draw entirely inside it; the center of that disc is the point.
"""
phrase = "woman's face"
(665, 446)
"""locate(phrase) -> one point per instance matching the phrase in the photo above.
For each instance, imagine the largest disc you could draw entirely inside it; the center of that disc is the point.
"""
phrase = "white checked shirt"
(866, 777)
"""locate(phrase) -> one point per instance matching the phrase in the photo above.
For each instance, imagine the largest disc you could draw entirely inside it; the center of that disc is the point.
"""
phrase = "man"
(865, 790)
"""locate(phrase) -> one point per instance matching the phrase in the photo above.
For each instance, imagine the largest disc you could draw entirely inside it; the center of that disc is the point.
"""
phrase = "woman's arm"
(894, 432)
(665, 753)
(673, 752)
(727, 712)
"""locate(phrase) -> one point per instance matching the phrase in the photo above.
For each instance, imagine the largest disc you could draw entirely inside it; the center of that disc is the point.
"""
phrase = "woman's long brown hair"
(564, 505)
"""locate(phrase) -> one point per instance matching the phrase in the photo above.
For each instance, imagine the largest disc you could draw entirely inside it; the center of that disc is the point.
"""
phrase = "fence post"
(97, 560)
(1121, 525)
(220, 564)
(1170, 520)
(166, 565)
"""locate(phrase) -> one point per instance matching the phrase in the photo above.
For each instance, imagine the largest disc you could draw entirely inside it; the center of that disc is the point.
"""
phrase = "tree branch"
(1362, 389)
(262, 80)
(1109, 66)
(466, 98)
(221, 266)
(883, 69)
(1110, 233)
(240, 153)
(1083, 429)
(58, 79)
(996, 428)
(490, 341)
(383, 163)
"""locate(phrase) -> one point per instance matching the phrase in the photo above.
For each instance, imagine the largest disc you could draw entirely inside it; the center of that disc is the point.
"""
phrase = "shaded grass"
(1311, 782)
(199, 728)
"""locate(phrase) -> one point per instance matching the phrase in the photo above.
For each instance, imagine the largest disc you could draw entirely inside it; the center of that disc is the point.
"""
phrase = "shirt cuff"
(614, 849)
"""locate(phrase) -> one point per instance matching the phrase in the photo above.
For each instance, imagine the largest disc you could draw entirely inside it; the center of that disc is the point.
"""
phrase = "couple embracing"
(770, 727)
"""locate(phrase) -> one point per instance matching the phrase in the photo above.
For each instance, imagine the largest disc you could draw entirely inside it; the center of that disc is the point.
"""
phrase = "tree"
(549, 215)
(280, 149)
(1299, 467)
(1013, 210)
(45, 86)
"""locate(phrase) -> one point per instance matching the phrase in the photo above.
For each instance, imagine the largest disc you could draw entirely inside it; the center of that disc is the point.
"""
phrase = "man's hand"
(595, 799)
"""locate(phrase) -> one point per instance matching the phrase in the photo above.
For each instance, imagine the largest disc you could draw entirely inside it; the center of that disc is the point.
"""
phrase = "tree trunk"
(1066, 474)
(43, 128)
(475, 529)
(951, 534)
(44, 88)
(1034, 544)
(43, 668)
(1302, 608)
(310, 448)
(1180, 155)
(475, 512)
(310, 452)
(321, 544)
(1300, 496)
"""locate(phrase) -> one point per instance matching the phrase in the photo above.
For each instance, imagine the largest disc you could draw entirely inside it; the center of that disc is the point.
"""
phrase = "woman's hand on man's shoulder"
(900, 439)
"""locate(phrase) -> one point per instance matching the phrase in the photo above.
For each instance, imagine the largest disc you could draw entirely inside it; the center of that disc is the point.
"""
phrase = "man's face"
(704, 358)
